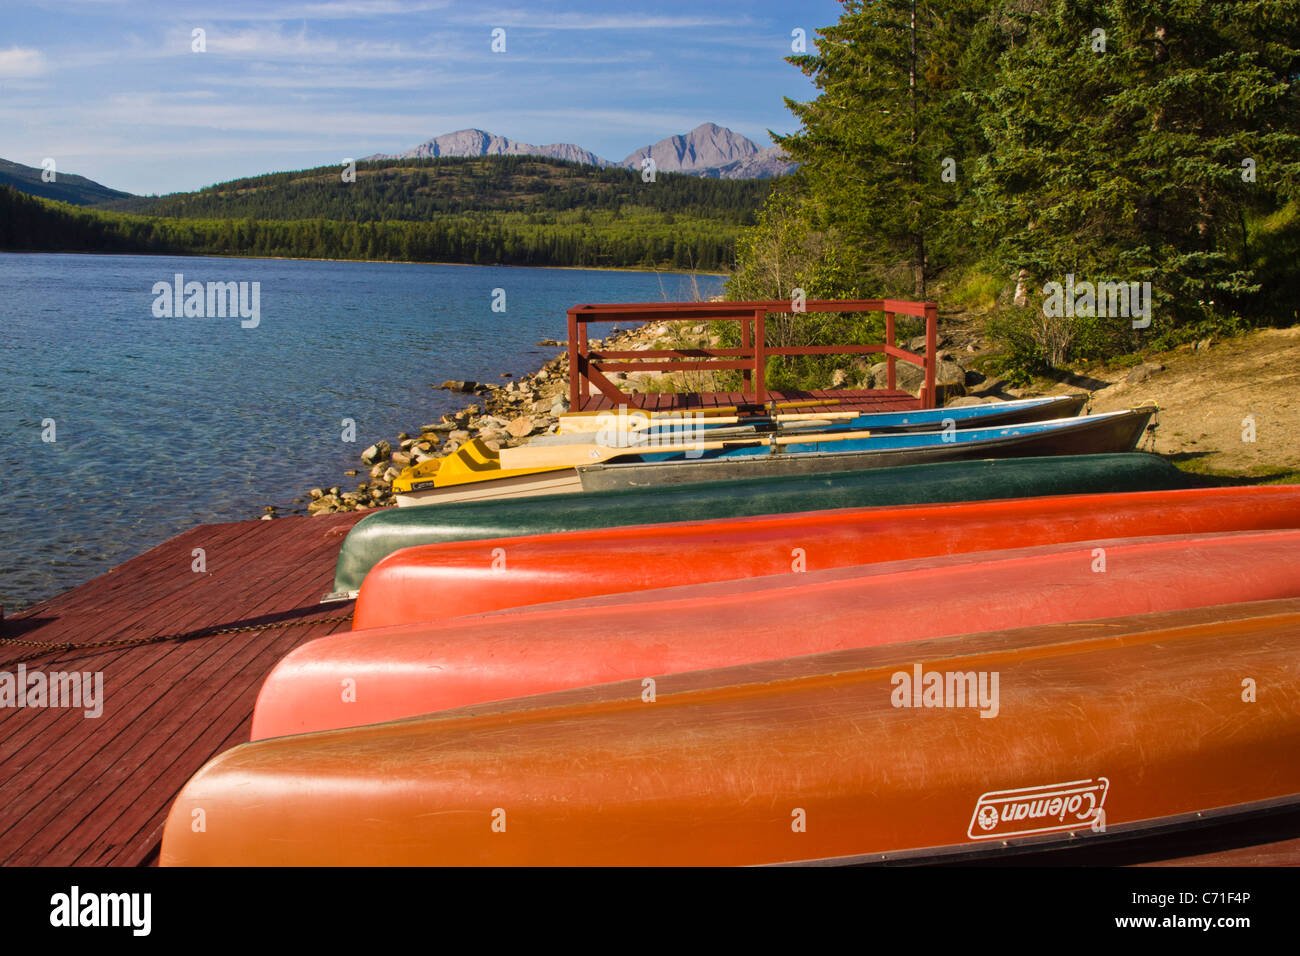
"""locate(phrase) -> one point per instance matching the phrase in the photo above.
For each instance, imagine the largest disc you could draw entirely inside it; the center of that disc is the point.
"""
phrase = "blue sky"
(112, 90)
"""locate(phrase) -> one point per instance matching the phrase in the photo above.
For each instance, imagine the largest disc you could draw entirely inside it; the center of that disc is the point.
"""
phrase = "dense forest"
(510, 210)
(976, 151)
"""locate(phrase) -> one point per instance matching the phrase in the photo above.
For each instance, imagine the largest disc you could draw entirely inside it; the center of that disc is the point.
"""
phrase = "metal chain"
(48, 647)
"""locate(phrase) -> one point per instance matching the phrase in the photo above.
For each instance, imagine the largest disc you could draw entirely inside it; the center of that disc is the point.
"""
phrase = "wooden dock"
(95, 791)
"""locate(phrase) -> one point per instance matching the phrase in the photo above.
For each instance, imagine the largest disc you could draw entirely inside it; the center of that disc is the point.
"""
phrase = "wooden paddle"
(636, 422)
(713, 410)
(558, 456)
(622, 439)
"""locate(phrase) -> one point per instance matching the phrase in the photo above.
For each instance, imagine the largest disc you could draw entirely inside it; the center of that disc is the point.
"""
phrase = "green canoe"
(382, 533)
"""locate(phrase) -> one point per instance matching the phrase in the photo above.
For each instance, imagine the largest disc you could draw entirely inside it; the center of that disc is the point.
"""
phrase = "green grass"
(975, 291)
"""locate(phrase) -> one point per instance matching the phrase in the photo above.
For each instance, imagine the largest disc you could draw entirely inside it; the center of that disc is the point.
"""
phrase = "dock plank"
(96, 791)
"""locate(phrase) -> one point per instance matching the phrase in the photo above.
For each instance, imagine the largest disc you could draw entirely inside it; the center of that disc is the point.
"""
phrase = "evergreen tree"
(882, 147)
(1131, 141)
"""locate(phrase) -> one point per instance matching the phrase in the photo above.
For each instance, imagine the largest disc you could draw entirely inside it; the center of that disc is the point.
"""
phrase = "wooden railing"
(587, 368)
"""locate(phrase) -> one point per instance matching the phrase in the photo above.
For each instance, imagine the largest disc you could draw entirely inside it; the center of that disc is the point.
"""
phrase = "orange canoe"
(432, 582)
(379, 674)
(1100, 731)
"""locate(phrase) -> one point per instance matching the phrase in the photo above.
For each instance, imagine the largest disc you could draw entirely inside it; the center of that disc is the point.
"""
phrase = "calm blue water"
(164, 423)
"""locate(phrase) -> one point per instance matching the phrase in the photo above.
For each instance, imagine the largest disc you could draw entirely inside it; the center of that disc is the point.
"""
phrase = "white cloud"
(18, 62)
(529, 19)
(329, 10)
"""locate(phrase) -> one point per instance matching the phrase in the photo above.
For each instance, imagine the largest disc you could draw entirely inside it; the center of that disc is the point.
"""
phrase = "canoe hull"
(413, 669)
(806, 759)
(1088, 436)
(434, 582)
(987, 415)
(383, 532)
(523, 486)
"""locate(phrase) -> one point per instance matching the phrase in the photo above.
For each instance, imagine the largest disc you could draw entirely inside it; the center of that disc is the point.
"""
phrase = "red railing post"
(582, 362)
(575, 373)
(889, 344)
(747, 376)
(760, 357)
(931, 352)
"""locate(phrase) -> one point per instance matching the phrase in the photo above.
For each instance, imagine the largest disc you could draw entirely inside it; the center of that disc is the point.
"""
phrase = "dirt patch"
(1209, 399)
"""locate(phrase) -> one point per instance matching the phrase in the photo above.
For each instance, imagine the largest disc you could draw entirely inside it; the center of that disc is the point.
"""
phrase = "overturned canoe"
(976, 745)
(1092, 434)
(438, 581)
(629, 422)
(384, 532)
(473, 472)
(1109, 432)
(402, 671)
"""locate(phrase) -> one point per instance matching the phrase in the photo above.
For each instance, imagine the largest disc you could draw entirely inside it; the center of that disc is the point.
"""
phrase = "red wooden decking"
(863, 400)
(95, 791)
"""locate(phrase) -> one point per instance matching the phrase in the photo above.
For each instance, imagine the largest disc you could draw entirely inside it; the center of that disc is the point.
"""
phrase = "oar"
(711, 410)
(622, 422)
(639, 437)
(559, 456)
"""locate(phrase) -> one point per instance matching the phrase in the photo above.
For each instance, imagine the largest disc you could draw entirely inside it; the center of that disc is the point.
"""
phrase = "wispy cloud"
(534, 19)
(340, 10)
(265, 44)
(17, 62)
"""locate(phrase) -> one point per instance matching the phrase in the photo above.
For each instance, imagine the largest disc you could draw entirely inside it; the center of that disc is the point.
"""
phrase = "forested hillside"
(622, 237)
(65, 187)
(420, 189)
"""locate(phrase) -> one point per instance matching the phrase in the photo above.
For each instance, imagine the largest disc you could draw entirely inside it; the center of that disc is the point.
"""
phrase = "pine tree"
(882, 147)
(1124, 138)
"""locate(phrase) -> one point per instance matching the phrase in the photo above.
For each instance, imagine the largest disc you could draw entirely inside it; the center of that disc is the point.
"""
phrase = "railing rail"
(587, 367)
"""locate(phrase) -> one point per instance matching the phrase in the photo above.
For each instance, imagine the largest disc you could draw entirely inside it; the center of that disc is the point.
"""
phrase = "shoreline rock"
(505, 415)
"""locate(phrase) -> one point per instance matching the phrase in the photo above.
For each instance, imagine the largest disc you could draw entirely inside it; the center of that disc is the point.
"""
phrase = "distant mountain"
(708, 150)
(765, 164)
(476, 142)
(66, 187)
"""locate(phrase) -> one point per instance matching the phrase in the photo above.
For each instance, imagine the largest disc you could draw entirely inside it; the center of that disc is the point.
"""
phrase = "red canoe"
(1101, 732)
(433, 582)
(379, 674)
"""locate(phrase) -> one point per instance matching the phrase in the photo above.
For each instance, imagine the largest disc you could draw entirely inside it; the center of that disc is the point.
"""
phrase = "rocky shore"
(511, 413)
(501, 415)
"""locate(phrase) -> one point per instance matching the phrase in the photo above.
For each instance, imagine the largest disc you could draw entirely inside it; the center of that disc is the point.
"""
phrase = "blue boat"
(1090, 434)
(617, 434)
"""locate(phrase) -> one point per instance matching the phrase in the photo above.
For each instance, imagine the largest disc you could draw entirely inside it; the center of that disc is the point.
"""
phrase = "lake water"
(160, 424)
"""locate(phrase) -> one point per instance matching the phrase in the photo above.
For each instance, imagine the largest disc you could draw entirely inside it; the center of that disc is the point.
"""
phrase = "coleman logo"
(1056, 806)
